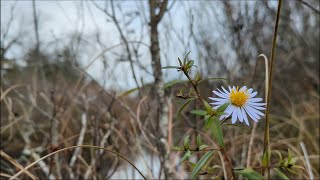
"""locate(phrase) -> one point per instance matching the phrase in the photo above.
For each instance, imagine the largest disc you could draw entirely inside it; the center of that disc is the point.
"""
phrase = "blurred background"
(89, 72)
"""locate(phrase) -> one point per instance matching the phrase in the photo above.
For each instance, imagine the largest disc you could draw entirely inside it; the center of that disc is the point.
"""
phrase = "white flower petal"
(255, 111)
(218, 99)
(257, 107)
(228, 93)
(253, 117)
(229, 88)
(223, 116)
(217, 103)
(256, 104)
(218, 94)
(253, 94)
(229, 109)
(255, 99)
(243, 88)
(225, 95)
(234, 116)
(245, 116)
(240, 116)
(250, 90)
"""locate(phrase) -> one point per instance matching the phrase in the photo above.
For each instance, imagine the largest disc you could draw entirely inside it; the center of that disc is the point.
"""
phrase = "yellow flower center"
(238, 98)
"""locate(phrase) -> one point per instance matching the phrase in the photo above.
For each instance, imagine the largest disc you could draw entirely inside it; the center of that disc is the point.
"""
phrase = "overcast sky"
(59, 19)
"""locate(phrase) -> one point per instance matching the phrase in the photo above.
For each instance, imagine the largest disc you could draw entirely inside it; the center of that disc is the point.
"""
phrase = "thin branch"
(309, 6)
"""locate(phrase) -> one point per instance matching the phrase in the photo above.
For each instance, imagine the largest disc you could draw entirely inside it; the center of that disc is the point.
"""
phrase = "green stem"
(266, 149)
(194, 85)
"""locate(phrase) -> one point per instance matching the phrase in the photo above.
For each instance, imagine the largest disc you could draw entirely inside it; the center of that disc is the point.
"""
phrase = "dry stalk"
(72, 147)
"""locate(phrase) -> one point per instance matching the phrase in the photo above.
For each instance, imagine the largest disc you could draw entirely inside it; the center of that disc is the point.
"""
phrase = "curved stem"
(72, 147)
(266, 149)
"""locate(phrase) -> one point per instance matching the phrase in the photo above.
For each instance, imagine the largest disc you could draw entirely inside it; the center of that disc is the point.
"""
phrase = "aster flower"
(242, 103)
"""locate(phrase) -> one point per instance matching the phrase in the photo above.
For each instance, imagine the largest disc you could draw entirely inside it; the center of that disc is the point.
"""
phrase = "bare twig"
(80, 140)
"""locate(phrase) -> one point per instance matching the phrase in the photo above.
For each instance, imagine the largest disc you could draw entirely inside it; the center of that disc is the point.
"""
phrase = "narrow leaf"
(201, 163)
(207, 106)
(266, 157)
(186, 57)
(280, 174)
(186, 156)
(212, 79)
(199, 140)
(199, 112)
(184, 105)
(223, 107)
(208, 122)
(127, 92)
(171, 83)
(217, 131)
(203, 146)
(180, 62)
(190, 63)
(170, 67)
(186, 141)
(250, 174)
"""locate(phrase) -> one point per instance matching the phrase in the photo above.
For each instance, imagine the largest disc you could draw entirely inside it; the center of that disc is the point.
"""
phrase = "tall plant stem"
(266, 149)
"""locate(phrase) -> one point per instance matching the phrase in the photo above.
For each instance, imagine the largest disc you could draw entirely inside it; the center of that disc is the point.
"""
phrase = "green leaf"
(170, 67)
(217, 131)
(177, 148)
(171, 83)
(289, 156)
(192, 164)
(201, 163)
(207, 106)
(208, 122)
(250, 174)
(279, 155)
(225, 79)
(199, 112)
(199, 140)
(186, 57)
(203, 146)
(190, 63)
(127, 92)
(180, 62)
(266, 158)
(223, 107)
(184, 105)
(186, 156)
(186, 142)
(280, 174)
